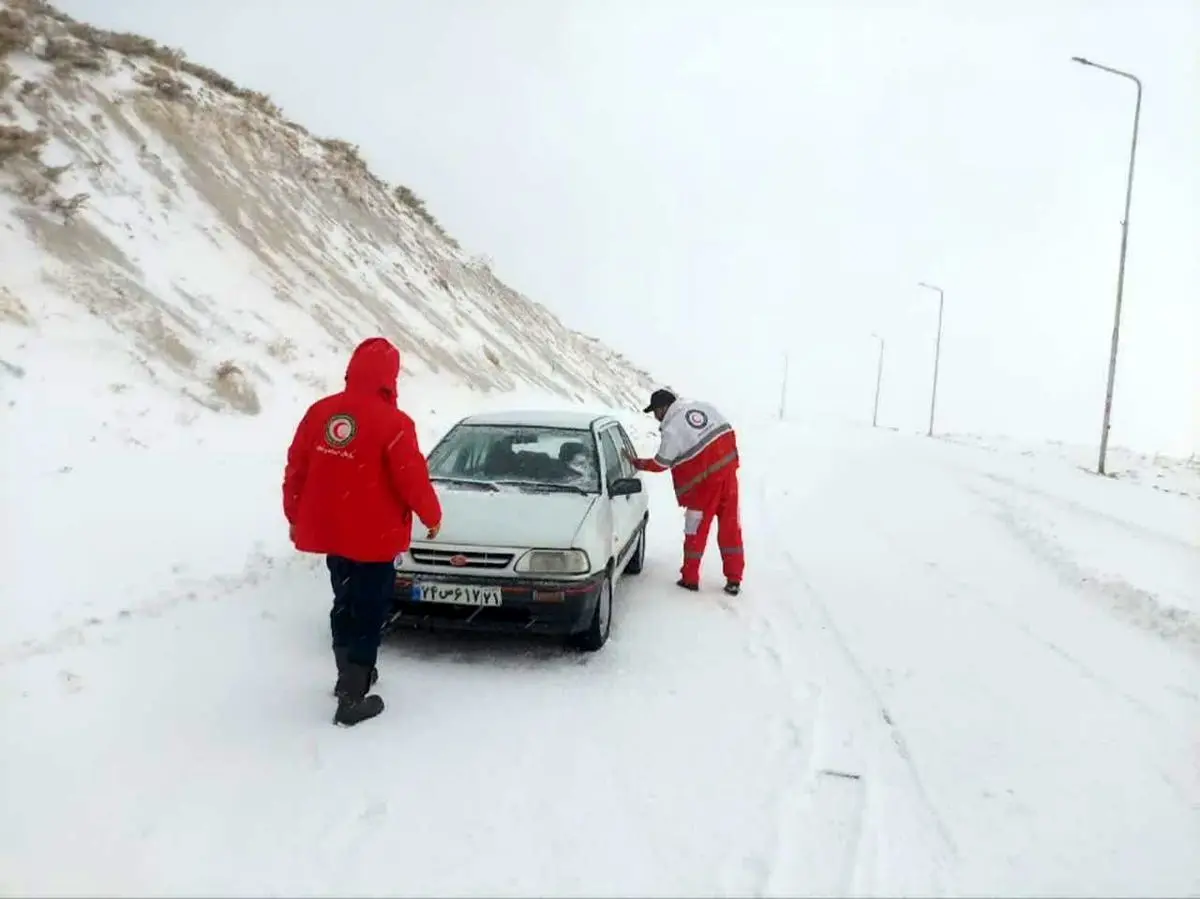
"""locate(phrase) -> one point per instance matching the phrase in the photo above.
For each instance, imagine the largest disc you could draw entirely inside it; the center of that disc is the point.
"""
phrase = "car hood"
(509, 517)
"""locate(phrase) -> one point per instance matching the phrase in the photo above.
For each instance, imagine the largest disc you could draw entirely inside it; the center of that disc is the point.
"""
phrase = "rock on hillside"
(155, 213)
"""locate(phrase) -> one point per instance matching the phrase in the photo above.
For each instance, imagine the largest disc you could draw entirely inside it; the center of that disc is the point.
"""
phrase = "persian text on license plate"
(457, 594)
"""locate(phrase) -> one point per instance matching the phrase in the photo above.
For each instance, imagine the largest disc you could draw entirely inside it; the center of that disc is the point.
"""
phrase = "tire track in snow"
(893, 729)
(822, 825)
(817, 816)
(840, 736)
(796, 739)
(823, 849)
(782, 737)
(860, 673)
(792, 742)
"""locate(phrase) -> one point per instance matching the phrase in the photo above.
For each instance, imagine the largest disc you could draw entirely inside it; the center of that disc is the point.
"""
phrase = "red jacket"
(700, 448)
(355, 473)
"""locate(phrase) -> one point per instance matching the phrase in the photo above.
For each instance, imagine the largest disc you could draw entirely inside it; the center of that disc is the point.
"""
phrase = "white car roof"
(538, 418)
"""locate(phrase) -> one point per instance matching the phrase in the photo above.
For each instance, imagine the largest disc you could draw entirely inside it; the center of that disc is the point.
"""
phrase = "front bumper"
(530, 605)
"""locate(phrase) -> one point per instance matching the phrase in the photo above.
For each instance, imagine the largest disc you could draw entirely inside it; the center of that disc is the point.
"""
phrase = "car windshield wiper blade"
(546, 485)
(486, 485)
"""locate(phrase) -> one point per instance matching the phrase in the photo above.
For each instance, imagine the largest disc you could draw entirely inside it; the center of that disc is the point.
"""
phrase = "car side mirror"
(625, 487)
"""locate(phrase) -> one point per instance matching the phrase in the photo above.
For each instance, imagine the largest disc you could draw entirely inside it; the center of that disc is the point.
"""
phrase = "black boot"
(341, 657)
(354, 705)
(733, 588)
(687, 586)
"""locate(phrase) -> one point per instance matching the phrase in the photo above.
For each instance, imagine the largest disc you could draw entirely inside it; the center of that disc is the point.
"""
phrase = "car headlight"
(553, 561)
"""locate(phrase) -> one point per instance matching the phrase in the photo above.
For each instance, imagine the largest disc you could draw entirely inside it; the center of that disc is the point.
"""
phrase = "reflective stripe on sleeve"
(712, 469)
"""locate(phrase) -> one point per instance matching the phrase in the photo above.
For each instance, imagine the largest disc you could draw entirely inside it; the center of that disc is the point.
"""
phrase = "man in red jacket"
(699, 446)
(354, 477)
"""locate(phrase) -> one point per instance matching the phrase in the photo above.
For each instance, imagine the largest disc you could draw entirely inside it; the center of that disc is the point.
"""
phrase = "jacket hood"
(374, 367)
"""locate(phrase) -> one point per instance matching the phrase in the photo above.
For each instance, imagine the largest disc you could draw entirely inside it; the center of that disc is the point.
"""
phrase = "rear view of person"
(354, 477)
(699, 446)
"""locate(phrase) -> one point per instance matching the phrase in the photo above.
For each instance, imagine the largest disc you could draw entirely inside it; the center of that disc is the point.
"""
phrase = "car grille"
(474, 558)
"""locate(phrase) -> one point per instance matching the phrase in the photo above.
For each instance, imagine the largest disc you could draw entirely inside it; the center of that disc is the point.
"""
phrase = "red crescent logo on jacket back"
(340, 430)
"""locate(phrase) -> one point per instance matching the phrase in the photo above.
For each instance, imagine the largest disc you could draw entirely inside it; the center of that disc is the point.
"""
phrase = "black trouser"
(362, 597)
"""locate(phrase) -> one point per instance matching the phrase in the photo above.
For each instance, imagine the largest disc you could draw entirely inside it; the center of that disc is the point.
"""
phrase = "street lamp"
(878, 380)
(1116, 332)
(937, 351)
(783, 388)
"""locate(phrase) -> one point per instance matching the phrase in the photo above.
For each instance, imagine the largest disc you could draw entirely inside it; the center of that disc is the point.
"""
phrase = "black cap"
(660, 399)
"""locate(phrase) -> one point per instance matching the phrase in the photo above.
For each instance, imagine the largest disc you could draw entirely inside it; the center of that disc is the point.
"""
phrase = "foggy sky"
(708, 186)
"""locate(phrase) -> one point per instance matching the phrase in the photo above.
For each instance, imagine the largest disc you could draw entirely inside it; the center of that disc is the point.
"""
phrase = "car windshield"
(519, 456)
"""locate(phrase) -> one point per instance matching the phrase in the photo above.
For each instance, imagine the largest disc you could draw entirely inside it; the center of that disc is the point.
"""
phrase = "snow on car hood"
(510, 517)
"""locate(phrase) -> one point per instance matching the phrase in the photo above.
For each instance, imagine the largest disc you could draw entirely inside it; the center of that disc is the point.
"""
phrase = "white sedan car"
(543, 514)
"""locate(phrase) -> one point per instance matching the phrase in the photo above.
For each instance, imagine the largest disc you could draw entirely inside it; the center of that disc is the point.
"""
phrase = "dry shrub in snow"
(117, 41)
(163, 83)
(17, 141)
(12, 309)
(231, 385)
(70, 53)
(15, 33)
(283, 349)
(68, 206)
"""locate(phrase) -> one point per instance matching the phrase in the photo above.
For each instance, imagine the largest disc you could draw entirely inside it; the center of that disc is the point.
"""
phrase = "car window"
(626, 446)
(509, 453)
(613, 468)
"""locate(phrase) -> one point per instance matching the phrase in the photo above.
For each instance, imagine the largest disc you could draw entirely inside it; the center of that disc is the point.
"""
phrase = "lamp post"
(1116, 331)
(783, 388)
(878, 381)
(937, 352)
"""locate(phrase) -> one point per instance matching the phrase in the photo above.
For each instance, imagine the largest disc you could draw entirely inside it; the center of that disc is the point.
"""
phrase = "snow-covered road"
(1052, 722)
(931, 684)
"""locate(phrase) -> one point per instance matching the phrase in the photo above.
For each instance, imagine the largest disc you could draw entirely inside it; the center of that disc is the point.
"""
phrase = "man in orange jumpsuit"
(699, 446)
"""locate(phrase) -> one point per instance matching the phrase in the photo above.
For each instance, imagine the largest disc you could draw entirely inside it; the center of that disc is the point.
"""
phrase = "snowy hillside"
(184, 234)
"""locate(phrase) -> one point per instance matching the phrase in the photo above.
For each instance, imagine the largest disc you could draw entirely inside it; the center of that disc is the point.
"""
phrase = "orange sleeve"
(410, 475)
(295, 472)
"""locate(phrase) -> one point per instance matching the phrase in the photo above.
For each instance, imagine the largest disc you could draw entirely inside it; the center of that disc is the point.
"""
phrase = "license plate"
(457, 594)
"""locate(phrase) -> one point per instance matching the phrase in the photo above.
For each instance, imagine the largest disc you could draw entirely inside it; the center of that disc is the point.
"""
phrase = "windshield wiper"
(486, 485)
(547, 485)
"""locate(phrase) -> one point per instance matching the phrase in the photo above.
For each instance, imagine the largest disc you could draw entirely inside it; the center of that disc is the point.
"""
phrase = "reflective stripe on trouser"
(698, 523)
